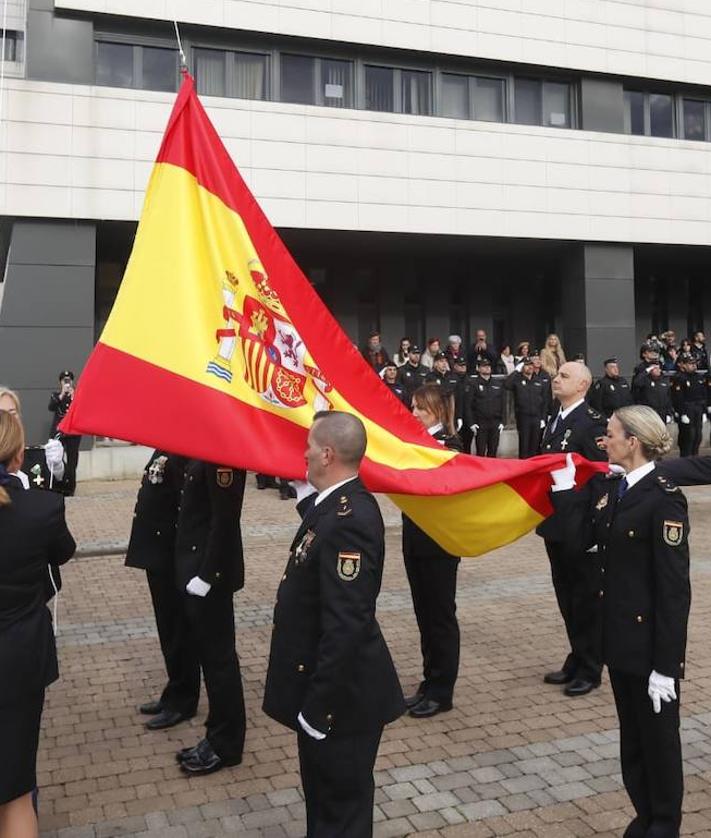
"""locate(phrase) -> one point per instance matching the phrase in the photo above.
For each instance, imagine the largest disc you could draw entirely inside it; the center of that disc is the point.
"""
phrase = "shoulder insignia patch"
(602, 503)
(344, 508)
(593, 414)
(225, 476)
(667, 484)
(673, 533)
(348, 566)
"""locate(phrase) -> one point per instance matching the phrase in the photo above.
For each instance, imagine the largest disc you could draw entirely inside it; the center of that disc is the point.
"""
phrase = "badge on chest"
(301, 551)
(348, 566)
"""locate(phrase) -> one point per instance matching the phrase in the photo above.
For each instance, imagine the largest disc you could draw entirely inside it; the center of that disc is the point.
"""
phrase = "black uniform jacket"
(328, 659)
(33, 535)
(530, 395)
(59, 404)
(208, 541)
(607, 394)
(642, 543)
(690, 393)
(35, 467)
(579, 433)
(412, 376)
(653, 392)
(483, 401)
(415, 542)
(155, 517)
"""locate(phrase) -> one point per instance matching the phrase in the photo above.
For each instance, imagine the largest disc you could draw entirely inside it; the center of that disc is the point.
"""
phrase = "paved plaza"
(514, 757)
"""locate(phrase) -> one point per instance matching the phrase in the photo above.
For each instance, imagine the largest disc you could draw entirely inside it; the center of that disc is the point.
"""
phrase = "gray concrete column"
(598, 304)
(46, 312)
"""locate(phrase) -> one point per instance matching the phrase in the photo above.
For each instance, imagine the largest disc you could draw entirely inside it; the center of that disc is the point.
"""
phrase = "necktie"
(555, 423)
(622, 488)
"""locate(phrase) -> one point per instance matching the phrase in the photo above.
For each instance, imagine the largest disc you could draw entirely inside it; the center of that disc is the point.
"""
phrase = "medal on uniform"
(302, 548)
(36, 470)
(602, 503)
(156, 470)
(564, 444)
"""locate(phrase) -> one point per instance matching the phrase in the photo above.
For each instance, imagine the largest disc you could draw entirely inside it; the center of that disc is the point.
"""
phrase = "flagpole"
(183, 59)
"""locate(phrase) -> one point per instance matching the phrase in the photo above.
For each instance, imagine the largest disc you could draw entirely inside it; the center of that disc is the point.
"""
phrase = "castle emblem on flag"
(259, 339)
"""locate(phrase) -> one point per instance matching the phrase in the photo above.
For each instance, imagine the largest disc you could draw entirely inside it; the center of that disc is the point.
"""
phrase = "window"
(649, 114)
(13, 45)
(308, 80)
(398, 91)
(238, 75)
(131, 65)
(695, 120)
(471, 97)
(539, 102)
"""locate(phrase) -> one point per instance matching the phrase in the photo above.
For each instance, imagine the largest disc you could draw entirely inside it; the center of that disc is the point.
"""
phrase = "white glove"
(543, 424)
(459, 425)
(667, 419)
(564, 478)
(198, 587)
(501, 427)
(302, 488)
(661, 688)
(474, 428)
(704, 418)
(685, 419)
(54, 457)
(312, 732)
(615, 469)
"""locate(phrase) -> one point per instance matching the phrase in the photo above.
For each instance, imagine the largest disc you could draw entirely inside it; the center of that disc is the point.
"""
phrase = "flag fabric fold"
(229, 352)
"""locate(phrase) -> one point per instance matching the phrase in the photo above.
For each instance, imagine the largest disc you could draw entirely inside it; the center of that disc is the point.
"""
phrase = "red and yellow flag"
(229, 351)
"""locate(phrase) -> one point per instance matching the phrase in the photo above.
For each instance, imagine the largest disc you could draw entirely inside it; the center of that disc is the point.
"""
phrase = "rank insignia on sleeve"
(673, 533)
(348, 566)
(602, 503)
(343, 507)
(225, 476)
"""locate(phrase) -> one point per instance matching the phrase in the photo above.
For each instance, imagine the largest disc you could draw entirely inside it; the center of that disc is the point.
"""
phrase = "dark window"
(634, 112)
(489, 99)
(470, 97)
(527, 101)
(13, 45)
(298, 79)
(455, 96)
(114, 64)
(160, 68)
(337, 83)
(556, 104)
(240, 75)
(649, 114)
(539, 102)
(209, 65)
(695, 120)
(416, 96)
(661, 115)
(379, 95)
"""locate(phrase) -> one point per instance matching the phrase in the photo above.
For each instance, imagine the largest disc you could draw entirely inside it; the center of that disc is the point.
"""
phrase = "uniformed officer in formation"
(461, 396)
(649, 354)
(330, 676)
(539, 374)
(412, 374)
(639, 526)
(151, 547)
(484, 410)
(442, 375)
(575, 428)
(651, 388)
(611, 391)
(530, 405)
(389, 376)
(209, 568)
(690, 397)
(59, 403)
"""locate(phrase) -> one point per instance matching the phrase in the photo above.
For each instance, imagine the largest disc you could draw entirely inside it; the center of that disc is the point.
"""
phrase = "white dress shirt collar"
(321, 496)
(568, 410)
(638, 473)
(435, 429)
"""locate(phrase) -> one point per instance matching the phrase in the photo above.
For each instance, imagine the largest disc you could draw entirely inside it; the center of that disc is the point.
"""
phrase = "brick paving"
(514, 757)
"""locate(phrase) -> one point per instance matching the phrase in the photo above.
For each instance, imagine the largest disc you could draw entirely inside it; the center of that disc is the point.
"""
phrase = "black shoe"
(185, 753)
(204, 760)
(284, 493)
(636, 829)
(429, 707)
(413, 700)
(559, 677)
(166, 718)
(150, 708)
(579, 686)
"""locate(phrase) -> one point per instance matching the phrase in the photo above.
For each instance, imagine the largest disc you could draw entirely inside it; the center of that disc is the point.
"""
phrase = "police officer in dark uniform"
(412, 374)
(690, 396)
(209, 568)
(461, 397)
(389, 377)
(653, 389)
(442, 375)
(484, 409)
(539, 374)
(530, 403)
(639, 525)
(649, 354)
(330, 676)
(611, 391)
(575, 428)
(151, 547)
(59, 403)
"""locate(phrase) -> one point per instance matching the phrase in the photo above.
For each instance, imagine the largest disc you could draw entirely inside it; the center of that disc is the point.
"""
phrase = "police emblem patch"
(225, 476)
(673, 533)
(348, 566)
(602, 503)
(156, 470)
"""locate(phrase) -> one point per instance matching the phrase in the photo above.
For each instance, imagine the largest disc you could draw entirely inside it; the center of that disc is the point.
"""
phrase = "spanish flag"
(229, 353)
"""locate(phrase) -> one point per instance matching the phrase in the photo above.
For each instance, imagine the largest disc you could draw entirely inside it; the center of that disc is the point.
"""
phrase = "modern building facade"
(435, 166)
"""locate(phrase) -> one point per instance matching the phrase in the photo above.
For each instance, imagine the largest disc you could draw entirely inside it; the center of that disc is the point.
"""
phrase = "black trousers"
(182, 692)
(212, 623)
(487, 440)
(71, 449)
(337, 776)
(433, 584)
(575, 583)
(690, 435)
(529, 436)
(650, 752)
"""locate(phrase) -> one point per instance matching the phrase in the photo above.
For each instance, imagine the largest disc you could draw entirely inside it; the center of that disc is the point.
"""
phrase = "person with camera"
(59, 403)
(653, 389)
(481, 349)
(34, 535)
(403, 352)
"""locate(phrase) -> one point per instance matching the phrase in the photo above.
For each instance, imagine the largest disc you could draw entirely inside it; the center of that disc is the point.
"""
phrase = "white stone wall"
(662, 39)
(86, 152)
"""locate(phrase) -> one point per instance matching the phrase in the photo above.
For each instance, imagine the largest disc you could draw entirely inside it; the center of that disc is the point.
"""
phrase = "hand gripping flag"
(229, 352)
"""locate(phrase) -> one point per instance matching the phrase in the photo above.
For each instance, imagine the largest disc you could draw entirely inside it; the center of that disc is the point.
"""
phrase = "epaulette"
(344, 507)
(667, 484)
(593, 414)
